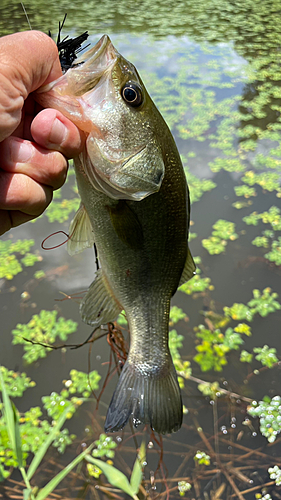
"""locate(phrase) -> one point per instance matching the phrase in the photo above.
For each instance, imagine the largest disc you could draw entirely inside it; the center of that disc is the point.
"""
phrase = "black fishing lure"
(69, 47)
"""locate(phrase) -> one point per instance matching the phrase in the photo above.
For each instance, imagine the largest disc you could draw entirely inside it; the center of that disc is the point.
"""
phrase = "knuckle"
(57, 169)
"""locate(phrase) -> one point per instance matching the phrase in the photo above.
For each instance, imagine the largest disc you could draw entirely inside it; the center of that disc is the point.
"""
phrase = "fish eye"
(132, 94)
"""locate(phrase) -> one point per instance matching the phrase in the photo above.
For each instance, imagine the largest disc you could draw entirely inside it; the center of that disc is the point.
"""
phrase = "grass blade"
(136, 476)
(8, 412)
(61, 475)
(43, 449)
(18, 442)
(114, 476)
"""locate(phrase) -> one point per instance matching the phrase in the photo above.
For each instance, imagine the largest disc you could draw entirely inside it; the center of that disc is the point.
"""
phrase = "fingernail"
(58, 132)
(21, 152)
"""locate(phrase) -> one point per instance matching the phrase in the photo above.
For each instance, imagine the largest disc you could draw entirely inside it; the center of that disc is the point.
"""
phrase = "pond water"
(213, 69)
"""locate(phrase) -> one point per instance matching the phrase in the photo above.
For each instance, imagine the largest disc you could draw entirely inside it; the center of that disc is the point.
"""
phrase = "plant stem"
(27, 483)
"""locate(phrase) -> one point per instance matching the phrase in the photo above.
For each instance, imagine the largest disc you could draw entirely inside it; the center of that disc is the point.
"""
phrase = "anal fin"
(99, 305)
(189, 269)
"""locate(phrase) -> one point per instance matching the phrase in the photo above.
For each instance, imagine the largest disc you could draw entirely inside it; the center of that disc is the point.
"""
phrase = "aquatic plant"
(275, 473)
(267, 180)
(263, 303)
(176, 314)
(104, 447)
(269, 412)
(272, 217)
(245, 191)
(223, 231)
(245, 356)
(214, 347)
(33, 430)
(81, 383)
(197, 284)
(266, 355)
(201, 458)
(210, 389)
(22, 435)
(14, 255)
(197, 187)
(16, 383)
(275, 254)
(41, 332)
(115, 477)
(183, 487)
(59, 211)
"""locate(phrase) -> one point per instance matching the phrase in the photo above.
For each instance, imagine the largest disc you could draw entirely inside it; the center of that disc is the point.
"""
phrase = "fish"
(135, 207)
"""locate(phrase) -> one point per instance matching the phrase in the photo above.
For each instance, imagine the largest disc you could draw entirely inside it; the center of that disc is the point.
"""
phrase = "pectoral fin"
(189, 269)
(126, 225)
(80, 232)
(99, 305)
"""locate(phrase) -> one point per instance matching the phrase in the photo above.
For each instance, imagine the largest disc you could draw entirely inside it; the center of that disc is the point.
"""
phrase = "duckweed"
(41, 331)
(14, 255)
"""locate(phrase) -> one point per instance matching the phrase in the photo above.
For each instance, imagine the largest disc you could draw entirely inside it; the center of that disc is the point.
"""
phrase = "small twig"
(220, 389)
(203, 437)
(232, 483)
(249, 490)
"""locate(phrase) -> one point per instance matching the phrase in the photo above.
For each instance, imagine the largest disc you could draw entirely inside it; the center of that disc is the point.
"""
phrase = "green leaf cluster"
(14, 255)
(59, 211)
(275, 474)
(263, 303)
(266, 355)
(116, 478)
(268, 181)
(245, 191)
(104, 447)
(182, 367)
(183, 487)
(82, 383)
(272, 217)
(43, 328)
(269, 412)
(214, 346)
(275, 253)
(197, 284)
(33, 430)
(16, 383)
(176, 314)
(223, 231)
(201, 458)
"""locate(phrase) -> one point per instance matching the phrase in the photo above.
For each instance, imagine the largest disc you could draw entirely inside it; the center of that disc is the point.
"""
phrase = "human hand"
(33, 147)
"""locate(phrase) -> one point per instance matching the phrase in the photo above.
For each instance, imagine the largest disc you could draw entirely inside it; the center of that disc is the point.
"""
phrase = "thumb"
(27, 60)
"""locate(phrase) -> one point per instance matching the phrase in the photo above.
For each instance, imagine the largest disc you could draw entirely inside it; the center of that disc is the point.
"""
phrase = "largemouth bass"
(135, 207)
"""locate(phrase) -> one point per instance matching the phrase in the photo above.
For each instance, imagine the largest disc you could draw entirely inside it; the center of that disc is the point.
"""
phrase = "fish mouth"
(87, 71)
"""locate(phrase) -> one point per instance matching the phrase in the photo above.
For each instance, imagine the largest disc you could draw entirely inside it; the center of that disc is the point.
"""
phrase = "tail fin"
(153, 399)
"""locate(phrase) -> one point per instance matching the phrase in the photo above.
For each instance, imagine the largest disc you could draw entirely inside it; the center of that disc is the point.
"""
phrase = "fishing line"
(57, 246)
(23, 8)
(63, 243)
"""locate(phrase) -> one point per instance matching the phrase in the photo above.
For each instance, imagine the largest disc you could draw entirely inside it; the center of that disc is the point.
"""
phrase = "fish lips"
(87, 71)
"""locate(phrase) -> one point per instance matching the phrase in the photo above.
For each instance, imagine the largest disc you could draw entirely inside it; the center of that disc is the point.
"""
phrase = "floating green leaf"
(13, 255)
(269, 412)
(44, 329)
